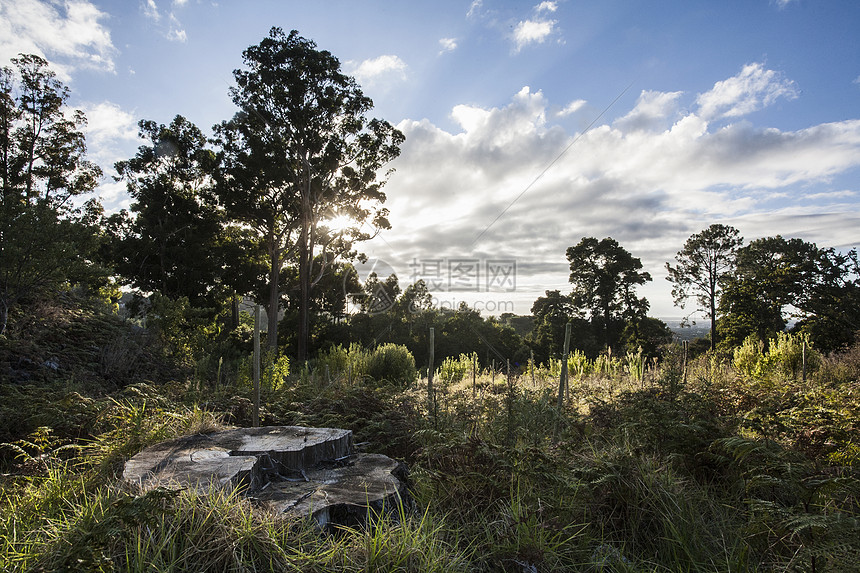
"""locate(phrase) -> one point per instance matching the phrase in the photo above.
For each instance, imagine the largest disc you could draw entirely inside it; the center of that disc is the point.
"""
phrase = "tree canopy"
(604, 277)
(703, 266)
(301, 151)
(46, 239)
(170, 245)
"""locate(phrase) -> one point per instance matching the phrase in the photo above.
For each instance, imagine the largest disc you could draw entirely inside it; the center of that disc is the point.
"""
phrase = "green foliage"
(783, 360)
(748, 356)
(455, 369)
(604, 277)
(348, 363)
(800, 515)
(392, 363)
(703, 267)
(724, 473)
(295, 103)
(634, 365)
(172, 242)
(578, 364)
(47, 237)
(778, 279)
(185, 330)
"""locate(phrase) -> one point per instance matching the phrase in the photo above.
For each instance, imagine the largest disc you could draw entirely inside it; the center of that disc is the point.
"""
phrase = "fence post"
(474, 375)
(431, 402)
(804, 363)
(562, 380)
(256, 416)
(686, 343)
(510, 436)
(532, 366)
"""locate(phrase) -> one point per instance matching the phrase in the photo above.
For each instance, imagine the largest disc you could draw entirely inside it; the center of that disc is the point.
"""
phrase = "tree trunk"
(713, 324)
(274, 296)
(305, 260)
(234, 311)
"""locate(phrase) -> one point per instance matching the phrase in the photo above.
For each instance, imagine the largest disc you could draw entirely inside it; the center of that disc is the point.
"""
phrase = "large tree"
(46, 237)
(604, 277)
(302, 151)
(703, 267)
(777, 280)
(169, 245)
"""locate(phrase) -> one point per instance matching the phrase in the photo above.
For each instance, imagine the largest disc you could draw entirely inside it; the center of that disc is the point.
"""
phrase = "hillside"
(712, 467)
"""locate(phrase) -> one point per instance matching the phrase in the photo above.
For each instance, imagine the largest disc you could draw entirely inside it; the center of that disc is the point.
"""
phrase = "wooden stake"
(474, 375)
(430, 398)
(562, 380)
(256, 416)
(804, 362)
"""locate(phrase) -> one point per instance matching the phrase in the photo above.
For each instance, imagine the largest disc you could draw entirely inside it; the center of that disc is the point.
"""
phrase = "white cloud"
(172, 29)
(447, 45)
(475, 8)
(752, 89)
(653, 111)
(546, 7)
(782, 3)
(112, 135)
(176, 32)
(150, 10)
(377, 70)
(70, 34)
(532, 32)
(572, 107)
(649, 179)
(108, 123)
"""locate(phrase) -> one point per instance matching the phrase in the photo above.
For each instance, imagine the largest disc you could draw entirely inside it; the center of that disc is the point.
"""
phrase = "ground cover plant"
(700, 465)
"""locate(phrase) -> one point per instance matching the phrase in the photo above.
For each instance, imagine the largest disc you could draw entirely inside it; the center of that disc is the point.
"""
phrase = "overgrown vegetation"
(704, 465)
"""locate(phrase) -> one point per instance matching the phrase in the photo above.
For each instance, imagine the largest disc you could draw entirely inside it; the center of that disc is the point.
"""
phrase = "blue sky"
(739, 112)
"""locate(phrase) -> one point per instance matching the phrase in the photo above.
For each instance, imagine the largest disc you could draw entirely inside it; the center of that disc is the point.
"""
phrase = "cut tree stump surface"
(293, 470)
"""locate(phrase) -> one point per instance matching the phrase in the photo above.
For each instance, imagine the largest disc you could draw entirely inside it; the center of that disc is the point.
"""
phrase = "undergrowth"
(682, 467)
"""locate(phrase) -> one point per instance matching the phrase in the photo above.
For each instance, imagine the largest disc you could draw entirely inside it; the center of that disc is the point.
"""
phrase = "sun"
(339, 224)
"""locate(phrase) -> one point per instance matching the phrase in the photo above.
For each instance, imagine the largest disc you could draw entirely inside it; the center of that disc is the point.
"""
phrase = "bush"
(455, 369)
(392, 363)
(348, 363)
(783, 358)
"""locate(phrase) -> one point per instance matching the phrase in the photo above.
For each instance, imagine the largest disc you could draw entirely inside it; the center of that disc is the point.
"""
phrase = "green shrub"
(783, 358)
(346, 362)
(455, 369)
(747, 356)
(392, 363)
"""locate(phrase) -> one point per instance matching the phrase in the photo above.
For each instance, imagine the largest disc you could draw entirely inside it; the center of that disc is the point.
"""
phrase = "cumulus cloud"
(532, 32)
(70, 34)
(535, 30)
(112, 135)
(176, 33)
(752, 89)
(572, 107)
(512, 183)
(546, 7)
(108, 123)
(378, 70)
(654, 111)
